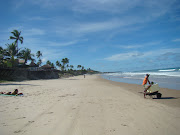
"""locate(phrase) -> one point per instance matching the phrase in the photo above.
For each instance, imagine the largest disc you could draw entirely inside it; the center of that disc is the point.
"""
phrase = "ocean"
(166, 78)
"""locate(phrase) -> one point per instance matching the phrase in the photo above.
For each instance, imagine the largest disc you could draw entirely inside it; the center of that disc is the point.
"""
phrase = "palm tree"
(78, 66)
(71, 66)
(26, 55)
(1, 49)
(2, 55)
(67, 66)
(12, 49)
(16, 36)
(48, 62)
(58, 64)
(39, 54)
(65, 61)
(52, 65)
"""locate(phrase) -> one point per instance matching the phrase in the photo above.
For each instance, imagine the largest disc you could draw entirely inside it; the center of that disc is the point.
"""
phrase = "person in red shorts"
(146, 79)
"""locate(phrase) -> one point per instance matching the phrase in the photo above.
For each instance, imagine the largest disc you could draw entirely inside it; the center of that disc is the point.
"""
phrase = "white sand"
(78, 106)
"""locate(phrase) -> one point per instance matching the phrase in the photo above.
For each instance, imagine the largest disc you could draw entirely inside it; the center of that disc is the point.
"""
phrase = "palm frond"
(11, 37)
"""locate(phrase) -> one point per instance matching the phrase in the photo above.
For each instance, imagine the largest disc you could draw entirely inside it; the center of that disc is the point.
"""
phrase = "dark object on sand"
(13, 93)
(154, 90)
(158, 95)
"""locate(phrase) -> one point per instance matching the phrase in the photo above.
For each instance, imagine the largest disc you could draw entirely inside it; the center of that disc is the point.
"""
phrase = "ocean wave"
(167, 70)
(143, 74)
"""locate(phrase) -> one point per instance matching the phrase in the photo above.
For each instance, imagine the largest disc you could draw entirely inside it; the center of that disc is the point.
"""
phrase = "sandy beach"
(86, 106)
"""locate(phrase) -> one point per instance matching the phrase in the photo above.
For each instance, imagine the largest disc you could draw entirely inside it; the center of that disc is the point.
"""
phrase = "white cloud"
(152, 8)
(33, 31)
(141, 45)
(176, 40)
(124, 56)
(19, 28)
(27, 31)
(82, 28)
(36, 18)
(147, 54)
(59, 44)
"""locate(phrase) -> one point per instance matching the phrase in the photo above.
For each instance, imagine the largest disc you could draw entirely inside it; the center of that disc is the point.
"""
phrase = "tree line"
(9, 56)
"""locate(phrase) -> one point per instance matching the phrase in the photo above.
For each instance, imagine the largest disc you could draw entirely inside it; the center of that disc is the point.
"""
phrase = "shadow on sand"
(162, 97)
(167, 98)
(71, 79)
(16, 84)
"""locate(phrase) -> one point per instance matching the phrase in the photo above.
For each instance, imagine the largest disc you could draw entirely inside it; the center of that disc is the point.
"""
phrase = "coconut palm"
(58, 64)
(39, 62)
(2, 55)
(26, 55)
(16, 36)
(78, 66)
(3, 52)
(39, 54)
(12, 50)
(48, 62)
(71, 66)
(52, 65)
(1, 49)
(65, 61)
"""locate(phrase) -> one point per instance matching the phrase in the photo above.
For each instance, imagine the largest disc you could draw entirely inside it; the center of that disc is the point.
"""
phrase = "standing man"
(146, 79)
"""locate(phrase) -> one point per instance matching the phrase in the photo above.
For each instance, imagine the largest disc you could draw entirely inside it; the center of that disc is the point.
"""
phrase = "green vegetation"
(3, 81)
(39, 55)
(10, 58)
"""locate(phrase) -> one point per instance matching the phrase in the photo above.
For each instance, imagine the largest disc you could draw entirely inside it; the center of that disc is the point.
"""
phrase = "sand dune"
(85, 106)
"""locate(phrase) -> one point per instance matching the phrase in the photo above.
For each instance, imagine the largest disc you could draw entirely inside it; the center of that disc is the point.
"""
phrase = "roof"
(46, 66)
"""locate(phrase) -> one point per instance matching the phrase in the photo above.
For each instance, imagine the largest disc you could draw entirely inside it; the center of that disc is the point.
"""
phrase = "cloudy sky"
(105, 35)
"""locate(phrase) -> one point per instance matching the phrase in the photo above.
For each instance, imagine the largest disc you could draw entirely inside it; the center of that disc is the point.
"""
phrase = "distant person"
(14, 93)
(146, 79)
(145, 89)
(84, 76)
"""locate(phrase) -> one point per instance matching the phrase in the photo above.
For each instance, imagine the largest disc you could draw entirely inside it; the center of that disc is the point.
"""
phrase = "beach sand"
(86, 106)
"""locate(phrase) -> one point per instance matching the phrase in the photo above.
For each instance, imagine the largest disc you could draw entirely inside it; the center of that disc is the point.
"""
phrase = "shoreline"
(170, 97)
(169, 82)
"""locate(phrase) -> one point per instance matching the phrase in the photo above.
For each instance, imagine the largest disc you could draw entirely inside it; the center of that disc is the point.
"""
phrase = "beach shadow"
(141, 92)
(166, 98)
(16, 84)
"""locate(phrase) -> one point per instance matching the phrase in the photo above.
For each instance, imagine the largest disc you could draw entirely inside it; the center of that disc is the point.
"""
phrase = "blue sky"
(104, 35)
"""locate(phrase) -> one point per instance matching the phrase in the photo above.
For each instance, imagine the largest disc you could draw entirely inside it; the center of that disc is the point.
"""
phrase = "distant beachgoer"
(146, 79)
(147, 88)
(84, 76)
(14, 93)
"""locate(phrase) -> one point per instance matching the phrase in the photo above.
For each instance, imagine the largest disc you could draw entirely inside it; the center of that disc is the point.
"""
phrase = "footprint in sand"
(3, 111)
(30, 121)
(124, 125)
(49, 113)
(21, 118)
(18, 131)
(113, 130)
